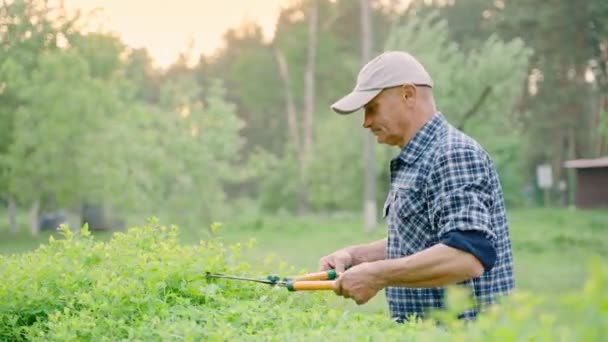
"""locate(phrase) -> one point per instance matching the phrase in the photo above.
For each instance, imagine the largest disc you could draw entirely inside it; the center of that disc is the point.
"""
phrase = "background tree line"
(86, 119)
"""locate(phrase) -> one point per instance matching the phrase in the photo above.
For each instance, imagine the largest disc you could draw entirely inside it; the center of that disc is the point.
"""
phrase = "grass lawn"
(552, 247)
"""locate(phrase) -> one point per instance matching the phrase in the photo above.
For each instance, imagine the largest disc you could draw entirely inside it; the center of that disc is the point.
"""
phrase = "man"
(445, 210)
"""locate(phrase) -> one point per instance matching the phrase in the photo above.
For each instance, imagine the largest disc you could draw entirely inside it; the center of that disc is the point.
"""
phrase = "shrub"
(143, 285)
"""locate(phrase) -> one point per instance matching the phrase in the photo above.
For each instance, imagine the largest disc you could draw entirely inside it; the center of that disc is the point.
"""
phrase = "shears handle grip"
(323, 275)
(311, 285)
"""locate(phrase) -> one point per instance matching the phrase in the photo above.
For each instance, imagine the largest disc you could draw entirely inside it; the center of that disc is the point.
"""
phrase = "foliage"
(337, 172)
(248, 69)
(47, 141)
(567, 70)
(200, 144)
(119, 151)
(85, 118)
(28, 28)
(144, 285)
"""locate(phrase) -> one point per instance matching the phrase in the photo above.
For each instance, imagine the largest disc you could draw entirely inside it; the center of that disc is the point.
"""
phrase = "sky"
(166, 28)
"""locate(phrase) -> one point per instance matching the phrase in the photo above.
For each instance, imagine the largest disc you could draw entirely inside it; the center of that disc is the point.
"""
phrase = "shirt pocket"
(411, 220)
(387, 203)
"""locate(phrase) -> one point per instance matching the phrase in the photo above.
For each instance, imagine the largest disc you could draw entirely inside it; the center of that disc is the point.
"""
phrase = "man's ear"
(408, 92)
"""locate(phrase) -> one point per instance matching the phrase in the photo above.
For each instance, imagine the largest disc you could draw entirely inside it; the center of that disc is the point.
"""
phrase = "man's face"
(387, 116)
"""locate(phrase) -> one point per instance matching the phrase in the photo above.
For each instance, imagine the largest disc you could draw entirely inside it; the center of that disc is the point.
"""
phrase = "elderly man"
(446, 216)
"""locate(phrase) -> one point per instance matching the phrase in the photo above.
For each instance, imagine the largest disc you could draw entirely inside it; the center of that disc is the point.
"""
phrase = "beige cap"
(390, 69)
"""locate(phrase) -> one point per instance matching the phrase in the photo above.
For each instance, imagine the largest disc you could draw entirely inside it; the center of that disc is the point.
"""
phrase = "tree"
(569, 42)
(369, 201)
(199, 144)
(49, 132)
(246, 65)
(302, 139)
(146, 79)
(27, 28)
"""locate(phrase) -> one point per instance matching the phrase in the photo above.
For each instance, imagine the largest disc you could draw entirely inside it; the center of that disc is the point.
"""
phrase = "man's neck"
(417, 124)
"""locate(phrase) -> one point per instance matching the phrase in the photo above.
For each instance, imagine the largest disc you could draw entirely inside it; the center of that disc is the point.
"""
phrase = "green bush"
(142, 285)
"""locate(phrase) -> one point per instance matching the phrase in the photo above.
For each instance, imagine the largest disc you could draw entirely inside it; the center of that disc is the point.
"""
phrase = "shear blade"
(212, 275)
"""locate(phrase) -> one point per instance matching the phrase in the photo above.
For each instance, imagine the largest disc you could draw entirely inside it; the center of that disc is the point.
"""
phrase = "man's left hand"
(360, 283)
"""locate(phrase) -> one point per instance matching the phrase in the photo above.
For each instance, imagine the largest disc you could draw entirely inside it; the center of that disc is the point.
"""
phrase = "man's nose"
(367, 120)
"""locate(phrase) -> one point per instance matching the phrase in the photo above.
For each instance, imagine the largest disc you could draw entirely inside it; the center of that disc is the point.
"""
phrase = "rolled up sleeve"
(461, 202)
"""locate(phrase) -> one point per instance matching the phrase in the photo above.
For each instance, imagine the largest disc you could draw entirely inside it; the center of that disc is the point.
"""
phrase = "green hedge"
(142, 285)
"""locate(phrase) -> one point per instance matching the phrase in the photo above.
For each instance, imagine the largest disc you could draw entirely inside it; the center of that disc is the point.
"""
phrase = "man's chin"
(383, 141)
(380, 140)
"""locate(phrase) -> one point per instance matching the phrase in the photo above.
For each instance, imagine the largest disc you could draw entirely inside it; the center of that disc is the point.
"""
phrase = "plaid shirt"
(441, 181)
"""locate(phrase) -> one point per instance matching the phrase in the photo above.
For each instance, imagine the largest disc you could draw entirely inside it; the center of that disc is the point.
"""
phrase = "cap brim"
(354, 101)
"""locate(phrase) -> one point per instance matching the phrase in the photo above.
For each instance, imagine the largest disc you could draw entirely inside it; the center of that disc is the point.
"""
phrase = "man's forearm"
(368, 252)
(436, 266)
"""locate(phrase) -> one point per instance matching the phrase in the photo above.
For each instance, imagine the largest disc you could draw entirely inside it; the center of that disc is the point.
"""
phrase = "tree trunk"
(34, 228)
(309, 77)
(12, 216)
(309, 105)
(292, 120)
(369, 195)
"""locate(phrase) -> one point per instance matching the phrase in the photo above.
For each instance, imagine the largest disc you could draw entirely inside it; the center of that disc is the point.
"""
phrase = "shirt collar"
(425, 135)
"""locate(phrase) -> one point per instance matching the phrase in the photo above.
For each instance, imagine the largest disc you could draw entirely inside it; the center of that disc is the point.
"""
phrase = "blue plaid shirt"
(444, 181)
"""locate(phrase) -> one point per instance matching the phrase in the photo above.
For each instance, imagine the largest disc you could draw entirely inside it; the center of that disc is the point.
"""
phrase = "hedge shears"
(316, 281)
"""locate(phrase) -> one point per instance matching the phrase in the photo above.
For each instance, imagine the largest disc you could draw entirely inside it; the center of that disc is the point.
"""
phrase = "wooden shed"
(591, 182)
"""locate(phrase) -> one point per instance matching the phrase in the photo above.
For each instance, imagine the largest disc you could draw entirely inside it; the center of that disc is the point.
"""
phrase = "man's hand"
(360, 283)
(339, 261)
(353, 255)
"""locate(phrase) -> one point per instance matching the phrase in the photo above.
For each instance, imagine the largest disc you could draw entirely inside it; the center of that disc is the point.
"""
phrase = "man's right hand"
(339, 261)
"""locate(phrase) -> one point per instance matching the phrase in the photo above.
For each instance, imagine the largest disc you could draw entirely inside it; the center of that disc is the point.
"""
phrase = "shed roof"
(587, 163)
